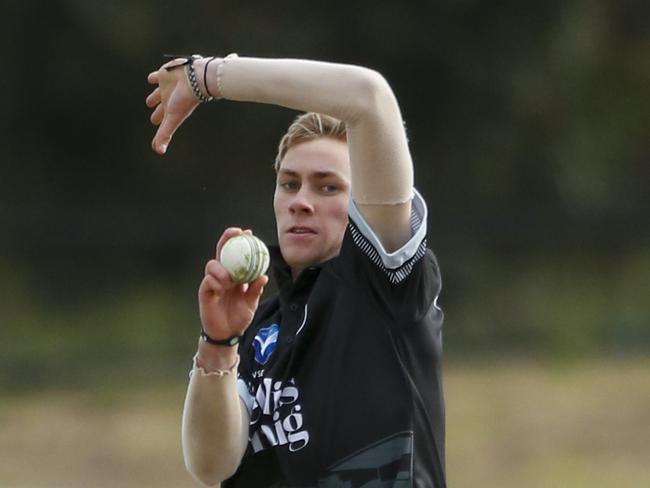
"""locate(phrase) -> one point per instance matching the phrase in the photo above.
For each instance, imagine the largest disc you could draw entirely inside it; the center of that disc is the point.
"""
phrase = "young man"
(336, 379)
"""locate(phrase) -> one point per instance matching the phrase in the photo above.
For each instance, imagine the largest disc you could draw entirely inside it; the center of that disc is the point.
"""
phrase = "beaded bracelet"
(191, 75)
(199, 368)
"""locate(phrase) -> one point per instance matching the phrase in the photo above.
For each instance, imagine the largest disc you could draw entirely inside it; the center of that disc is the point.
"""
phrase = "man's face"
(311, 201)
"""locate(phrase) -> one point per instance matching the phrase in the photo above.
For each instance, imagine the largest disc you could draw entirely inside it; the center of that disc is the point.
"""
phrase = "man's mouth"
(301, 230)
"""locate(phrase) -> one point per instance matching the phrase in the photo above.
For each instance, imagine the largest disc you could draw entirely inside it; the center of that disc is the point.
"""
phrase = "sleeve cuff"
(396, 258)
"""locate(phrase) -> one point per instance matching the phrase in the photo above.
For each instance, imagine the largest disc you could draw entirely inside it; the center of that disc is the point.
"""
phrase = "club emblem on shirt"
(265, 342)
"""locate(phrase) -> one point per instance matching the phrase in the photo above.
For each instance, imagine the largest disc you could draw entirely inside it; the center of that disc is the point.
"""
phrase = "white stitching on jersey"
(394, 275)
(304, 320)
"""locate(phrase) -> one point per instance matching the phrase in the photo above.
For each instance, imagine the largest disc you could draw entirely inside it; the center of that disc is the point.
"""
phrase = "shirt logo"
(265, 342)
(276, 417)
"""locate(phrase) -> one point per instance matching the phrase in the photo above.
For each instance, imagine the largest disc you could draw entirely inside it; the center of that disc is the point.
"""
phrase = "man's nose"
(301, 202)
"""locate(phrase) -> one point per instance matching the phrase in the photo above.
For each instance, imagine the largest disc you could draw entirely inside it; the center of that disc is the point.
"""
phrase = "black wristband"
(231, 341)
(205, 76)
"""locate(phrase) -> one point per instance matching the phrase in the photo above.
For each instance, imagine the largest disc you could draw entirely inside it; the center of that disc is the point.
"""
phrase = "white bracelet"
(220, 69)
(218, 372)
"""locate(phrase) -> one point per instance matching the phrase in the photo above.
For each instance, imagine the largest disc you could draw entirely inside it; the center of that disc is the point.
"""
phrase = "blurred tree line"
(528, 124)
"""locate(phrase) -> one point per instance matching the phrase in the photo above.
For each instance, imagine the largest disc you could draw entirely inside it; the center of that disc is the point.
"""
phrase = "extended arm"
(382, 171)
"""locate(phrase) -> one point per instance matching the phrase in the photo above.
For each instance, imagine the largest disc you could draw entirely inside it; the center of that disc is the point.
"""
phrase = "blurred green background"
(528, 124)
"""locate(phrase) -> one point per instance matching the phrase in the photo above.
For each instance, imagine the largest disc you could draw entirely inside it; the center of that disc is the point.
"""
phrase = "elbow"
(206, 477)
(210, 466)
(374, 95)
(376, 85)
(211, 473)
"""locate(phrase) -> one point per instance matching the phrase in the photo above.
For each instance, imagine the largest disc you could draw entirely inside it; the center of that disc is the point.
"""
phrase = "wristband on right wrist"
(194, 84)
(205, 77)
(190, 74)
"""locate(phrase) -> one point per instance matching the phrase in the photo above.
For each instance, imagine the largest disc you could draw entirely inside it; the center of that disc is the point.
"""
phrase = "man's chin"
(299, 258)
(300, 262)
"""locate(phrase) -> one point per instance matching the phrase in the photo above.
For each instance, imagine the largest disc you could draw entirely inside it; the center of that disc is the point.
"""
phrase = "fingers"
(209, 288)
(153, 99)
(256, 287)
(153, 77)
(254, 292)
(164, 133)
(171, 121)
(216, 270)
(160, 141)
(173, 101)
(157, 115)
(216, 282)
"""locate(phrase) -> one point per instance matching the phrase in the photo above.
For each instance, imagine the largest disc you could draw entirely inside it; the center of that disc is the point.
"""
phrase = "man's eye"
(329, 188)
(289, 185)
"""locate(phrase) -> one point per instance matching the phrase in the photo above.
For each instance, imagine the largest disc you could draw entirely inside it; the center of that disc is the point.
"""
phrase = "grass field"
(529, 425)
(510, 424)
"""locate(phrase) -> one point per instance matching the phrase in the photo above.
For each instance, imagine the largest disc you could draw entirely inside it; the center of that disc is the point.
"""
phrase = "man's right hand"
(172, 101)
(226, 308)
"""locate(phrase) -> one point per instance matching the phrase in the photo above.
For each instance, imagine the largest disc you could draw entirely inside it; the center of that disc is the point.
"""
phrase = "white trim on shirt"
(395, 259)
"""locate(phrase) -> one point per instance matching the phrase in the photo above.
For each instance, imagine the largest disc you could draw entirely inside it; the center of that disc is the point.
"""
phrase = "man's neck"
(295, 272)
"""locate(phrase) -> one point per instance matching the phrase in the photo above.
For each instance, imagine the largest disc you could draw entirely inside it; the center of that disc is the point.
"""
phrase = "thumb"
(255, 289)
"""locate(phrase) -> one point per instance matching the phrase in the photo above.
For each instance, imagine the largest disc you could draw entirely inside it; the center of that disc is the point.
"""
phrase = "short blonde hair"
(307, 127)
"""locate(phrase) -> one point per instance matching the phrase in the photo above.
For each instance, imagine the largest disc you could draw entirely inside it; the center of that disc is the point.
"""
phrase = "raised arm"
(381, 167)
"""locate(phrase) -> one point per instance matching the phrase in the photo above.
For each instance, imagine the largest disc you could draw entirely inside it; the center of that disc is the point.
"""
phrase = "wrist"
(193, 80)
(229, 341)
(207, 75)
(215, 358)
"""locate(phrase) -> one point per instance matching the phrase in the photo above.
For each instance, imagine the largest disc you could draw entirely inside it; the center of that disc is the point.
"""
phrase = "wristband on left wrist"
(230, 341)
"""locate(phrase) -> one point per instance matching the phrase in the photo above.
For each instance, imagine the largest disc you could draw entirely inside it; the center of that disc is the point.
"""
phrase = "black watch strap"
(231, 341)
